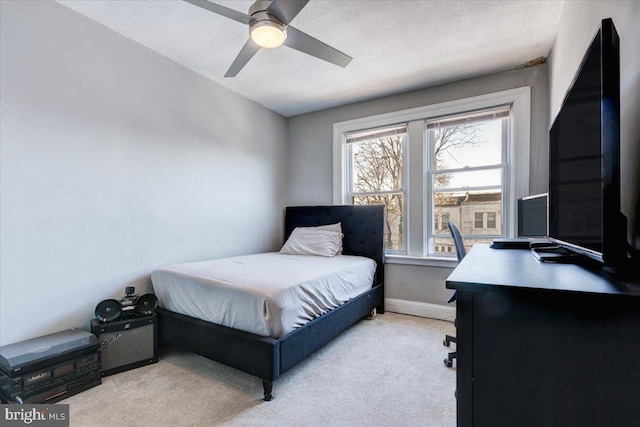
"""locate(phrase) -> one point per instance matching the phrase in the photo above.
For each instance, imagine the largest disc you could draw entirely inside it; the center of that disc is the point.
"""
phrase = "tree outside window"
(467, 174)
(377, 177)
(463, 160)
(465, 170)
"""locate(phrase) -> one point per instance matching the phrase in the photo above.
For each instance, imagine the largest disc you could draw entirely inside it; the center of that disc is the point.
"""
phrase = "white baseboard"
(422, 309)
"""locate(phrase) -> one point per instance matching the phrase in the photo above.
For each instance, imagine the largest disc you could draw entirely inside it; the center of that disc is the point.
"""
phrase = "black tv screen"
(584, 153)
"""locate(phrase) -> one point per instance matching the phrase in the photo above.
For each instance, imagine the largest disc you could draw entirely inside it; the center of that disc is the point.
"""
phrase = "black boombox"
(130, 305)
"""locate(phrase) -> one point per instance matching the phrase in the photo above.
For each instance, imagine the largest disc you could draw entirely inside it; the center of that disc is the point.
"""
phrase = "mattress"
(268, 294)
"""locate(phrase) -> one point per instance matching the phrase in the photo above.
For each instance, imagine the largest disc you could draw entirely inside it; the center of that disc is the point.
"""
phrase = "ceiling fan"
(269, 27)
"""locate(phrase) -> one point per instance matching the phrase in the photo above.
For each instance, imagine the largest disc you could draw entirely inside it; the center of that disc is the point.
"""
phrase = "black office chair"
(460, 252)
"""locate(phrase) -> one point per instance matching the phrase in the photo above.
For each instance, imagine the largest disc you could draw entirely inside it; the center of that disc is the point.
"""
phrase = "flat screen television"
(533, 216)
(584, 156)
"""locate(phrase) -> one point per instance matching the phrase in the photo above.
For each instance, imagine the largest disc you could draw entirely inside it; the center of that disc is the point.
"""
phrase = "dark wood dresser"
(544, 344)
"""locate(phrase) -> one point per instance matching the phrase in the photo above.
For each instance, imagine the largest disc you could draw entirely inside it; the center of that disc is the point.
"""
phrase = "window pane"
(377, 164)
(466, 143)
(468, 179)
(478, 212)
(445, 245)
(472, 144)
(491, 220)
(441, 220)
(394, 216)
(478, 220)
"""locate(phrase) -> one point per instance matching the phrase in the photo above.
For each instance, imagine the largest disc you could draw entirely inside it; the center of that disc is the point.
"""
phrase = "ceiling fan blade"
(246, 53)
(221, 10)
(298, 40)
(286, 10)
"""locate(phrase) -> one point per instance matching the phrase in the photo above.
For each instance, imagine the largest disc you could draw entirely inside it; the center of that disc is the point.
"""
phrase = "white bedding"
(267, 294)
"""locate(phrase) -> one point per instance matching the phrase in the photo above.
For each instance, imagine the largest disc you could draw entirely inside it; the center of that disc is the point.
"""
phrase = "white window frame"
(418, 215)
(431, 172)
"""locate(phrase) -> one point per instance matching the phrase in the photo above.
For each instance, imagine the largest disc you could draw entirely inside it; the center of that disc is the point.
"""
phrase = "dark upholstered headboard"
(362, 226)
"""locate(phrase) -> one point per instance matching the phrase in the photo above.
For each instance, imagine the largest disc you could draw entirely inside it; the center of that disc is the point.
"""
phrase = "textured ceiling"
(396, 45)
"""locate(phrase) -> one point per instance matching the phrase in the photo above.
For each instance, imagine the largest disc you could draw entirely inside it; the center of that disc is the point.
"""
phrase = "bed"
(265, 356)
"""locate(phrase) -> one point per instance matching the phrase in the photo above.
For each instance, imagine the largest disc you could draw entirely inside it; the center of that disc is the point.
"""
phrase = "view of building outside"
(467, 177)
(475, 214)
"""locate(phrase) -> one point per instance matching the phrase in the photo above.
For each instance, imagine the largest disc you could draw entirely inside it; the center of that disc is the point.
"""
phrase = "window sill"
(431, 261)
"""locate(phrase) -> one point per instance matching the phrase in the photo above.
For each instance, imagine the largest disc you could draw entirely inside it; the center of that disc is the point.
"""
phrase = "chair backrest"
(457, 239)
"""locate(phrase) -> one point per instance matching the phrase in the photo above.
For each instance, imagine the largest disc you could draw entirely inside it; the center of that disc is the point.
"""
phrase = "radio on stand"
(129, 305)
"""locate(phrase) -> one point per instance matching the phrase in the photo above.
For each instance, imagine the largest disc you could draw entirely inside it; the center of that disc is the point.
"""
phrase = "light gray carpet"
(381, 372)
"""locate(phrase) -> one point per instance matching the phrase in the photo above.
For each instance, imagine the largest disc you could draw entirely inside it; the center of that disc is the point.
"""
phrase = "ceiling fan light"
(268, 34)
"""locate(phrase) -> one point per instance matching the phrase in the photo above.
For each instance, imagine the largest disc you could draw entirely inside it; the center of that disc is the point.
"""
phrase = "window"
(466, 170)
(463, 161)
(491, 220)
(376, 176)
(441, 222)
(485, 220)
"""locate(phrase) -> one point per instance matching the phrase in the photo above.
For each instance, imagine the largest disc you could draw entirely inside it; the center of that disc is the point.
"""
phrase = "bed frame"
(268, 358)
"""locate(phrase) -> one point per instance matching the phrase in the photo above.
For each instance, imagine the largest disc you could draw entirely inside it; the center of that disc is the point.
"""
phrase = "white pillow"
(313, 241)
(332, 227)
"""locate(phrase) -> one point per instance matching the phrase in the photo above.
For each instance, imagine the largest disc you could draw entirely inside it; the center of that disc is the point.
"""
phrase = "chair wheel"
(446, 343)
(448, 363)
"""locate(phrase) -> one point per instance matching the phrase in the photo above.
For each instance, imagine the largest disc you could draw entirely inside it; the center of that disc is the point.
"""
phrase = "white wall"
(116, 161)
(310, 158)
(578, 25)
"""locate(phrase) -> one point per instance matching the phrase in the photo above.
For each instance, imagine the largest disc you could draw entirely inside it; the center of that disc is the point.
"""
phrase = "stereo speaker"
(127, 306)
(127, 344)
(108, 310)
(146, 304)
